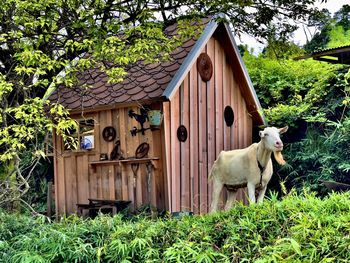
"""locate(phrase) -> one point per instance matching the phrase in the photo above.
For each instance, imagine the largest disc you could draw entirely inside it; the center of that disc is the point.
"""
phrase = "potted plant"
(155, 118)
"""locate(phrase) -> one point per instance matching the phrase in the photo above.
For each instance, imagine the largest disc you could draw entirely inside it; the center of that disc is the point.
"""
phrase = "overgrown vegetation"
(311, 97)
(331, 31)
(320, 156)
(288, 90)
(300, 228)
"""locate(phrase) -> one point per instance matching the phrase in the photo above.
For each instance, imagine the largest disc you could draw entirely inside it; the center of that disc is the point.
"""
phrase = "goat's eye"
(266, 134)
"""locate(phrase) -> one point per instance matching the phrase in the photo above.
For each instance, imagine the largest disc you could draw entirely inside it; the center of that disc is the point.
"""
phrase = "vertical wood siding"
(179, 180)
(76, 181)
(199, 106)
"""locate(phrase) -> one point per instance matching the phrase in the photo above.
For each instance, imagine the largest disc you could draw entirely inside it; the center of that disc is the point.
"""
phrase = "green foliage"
(332, 31)
(338, 37)
(281, 48)
(299, 228)
(313, 99)
(290, 90)
(29, 121)
(321, 156)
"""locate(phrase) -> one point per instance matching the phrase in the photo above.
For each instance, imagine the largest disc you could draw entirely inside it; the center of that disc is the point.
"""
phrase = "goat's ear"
(261, 134)
(283, 130)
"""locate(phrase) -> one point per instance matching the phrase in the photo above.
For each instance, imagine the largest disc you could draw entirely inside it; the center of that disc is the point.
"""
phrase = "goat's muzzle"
(279, 148)
(279, 145)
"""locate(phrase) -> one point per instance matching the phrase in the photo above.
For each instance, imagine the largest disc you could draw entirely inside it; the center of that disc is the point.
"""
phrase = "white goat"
(251, 167)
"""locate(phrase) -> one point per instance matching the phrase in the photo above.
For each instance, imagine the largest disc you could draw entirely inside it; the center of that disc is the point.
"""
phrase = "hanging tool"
(149, 168)
(134, 168)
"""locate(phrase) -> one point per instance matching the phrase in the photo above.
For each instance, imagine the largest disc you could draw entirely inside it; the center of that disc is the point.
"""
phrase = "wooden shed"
(208, 105)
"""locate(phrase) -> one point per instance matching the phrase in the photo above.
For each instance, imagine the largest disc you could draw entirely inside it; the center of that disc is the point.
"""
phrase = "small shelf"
(121, 162)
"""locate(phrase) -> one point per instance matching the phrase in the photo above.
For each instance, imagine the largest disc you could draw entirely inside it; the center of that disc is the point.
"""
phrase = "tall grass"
(299, 228)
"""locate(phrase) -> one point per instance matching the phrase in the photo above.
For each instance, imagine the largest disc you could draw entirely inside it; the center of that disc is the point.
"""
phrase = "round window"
(229, 116)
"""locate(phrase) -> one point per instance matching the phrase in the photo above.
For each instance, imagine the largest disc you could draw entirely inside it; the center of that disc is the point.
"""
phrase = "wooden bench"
(102, 205)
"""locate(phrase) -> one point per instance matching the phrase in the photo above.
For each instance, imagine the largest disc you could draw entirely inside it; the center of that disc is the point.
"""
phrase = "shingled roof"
(337, 55)
(155, 82)
(142, 83)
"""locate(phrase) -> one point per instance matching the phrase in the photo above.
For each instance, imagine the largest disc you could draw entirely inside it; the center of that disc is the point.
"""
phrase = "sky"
(299, 35)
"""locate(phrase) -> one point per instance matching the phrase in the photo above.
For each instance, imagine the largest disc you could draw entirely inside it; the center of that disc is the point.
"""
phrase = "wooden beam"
(332, 61)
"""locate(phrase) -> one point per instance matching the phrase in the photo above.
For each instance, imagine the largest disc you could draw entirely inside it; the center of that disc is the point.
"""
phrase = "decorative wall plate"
(142, 150)
(205, 67)
(109, 133)
(229, 116)
(182, 133)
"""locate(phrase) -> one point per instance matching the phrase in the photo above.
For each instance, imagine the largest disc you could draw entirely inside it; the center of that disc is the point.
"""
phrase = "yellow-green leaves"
(289, 90)
(5, 86)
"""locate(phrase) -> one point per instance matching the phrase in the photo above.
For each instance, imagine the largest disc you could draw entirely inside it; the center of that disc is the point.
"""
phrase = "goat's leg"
(261, 194)
(217, 187)
(231, 197)
(251, 192)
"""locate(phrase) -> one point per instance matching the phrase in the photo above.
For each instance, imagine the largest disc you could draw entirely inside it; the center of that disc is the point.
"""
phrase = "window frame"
(80, 134)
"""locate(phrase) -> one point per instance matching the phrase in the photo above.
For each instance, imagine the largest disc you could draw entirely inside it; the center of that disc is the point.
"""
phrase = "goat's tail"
(214, 167)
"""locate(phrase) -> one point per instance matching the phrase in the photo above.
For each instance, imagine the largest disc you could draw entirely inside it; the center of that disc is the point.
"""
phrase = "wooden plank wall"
(183, 185)
(76, 181)
(199, 106)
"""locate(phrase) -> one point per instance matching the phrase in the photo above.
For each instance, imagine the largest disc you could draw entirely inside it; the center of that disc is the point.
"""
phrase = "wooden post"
(49, 199)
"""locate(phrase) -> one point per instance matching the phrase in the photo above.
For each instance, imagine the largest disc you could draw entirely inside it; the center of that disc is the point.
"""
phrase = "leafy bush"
(313, 99)
(289, 90)
(300, 228)
(324, 152)
(321, 156)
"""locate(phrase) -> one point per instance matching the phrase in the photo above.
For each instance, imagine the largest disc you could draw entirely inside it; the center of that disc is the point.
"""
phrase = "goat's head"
(272, 141)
